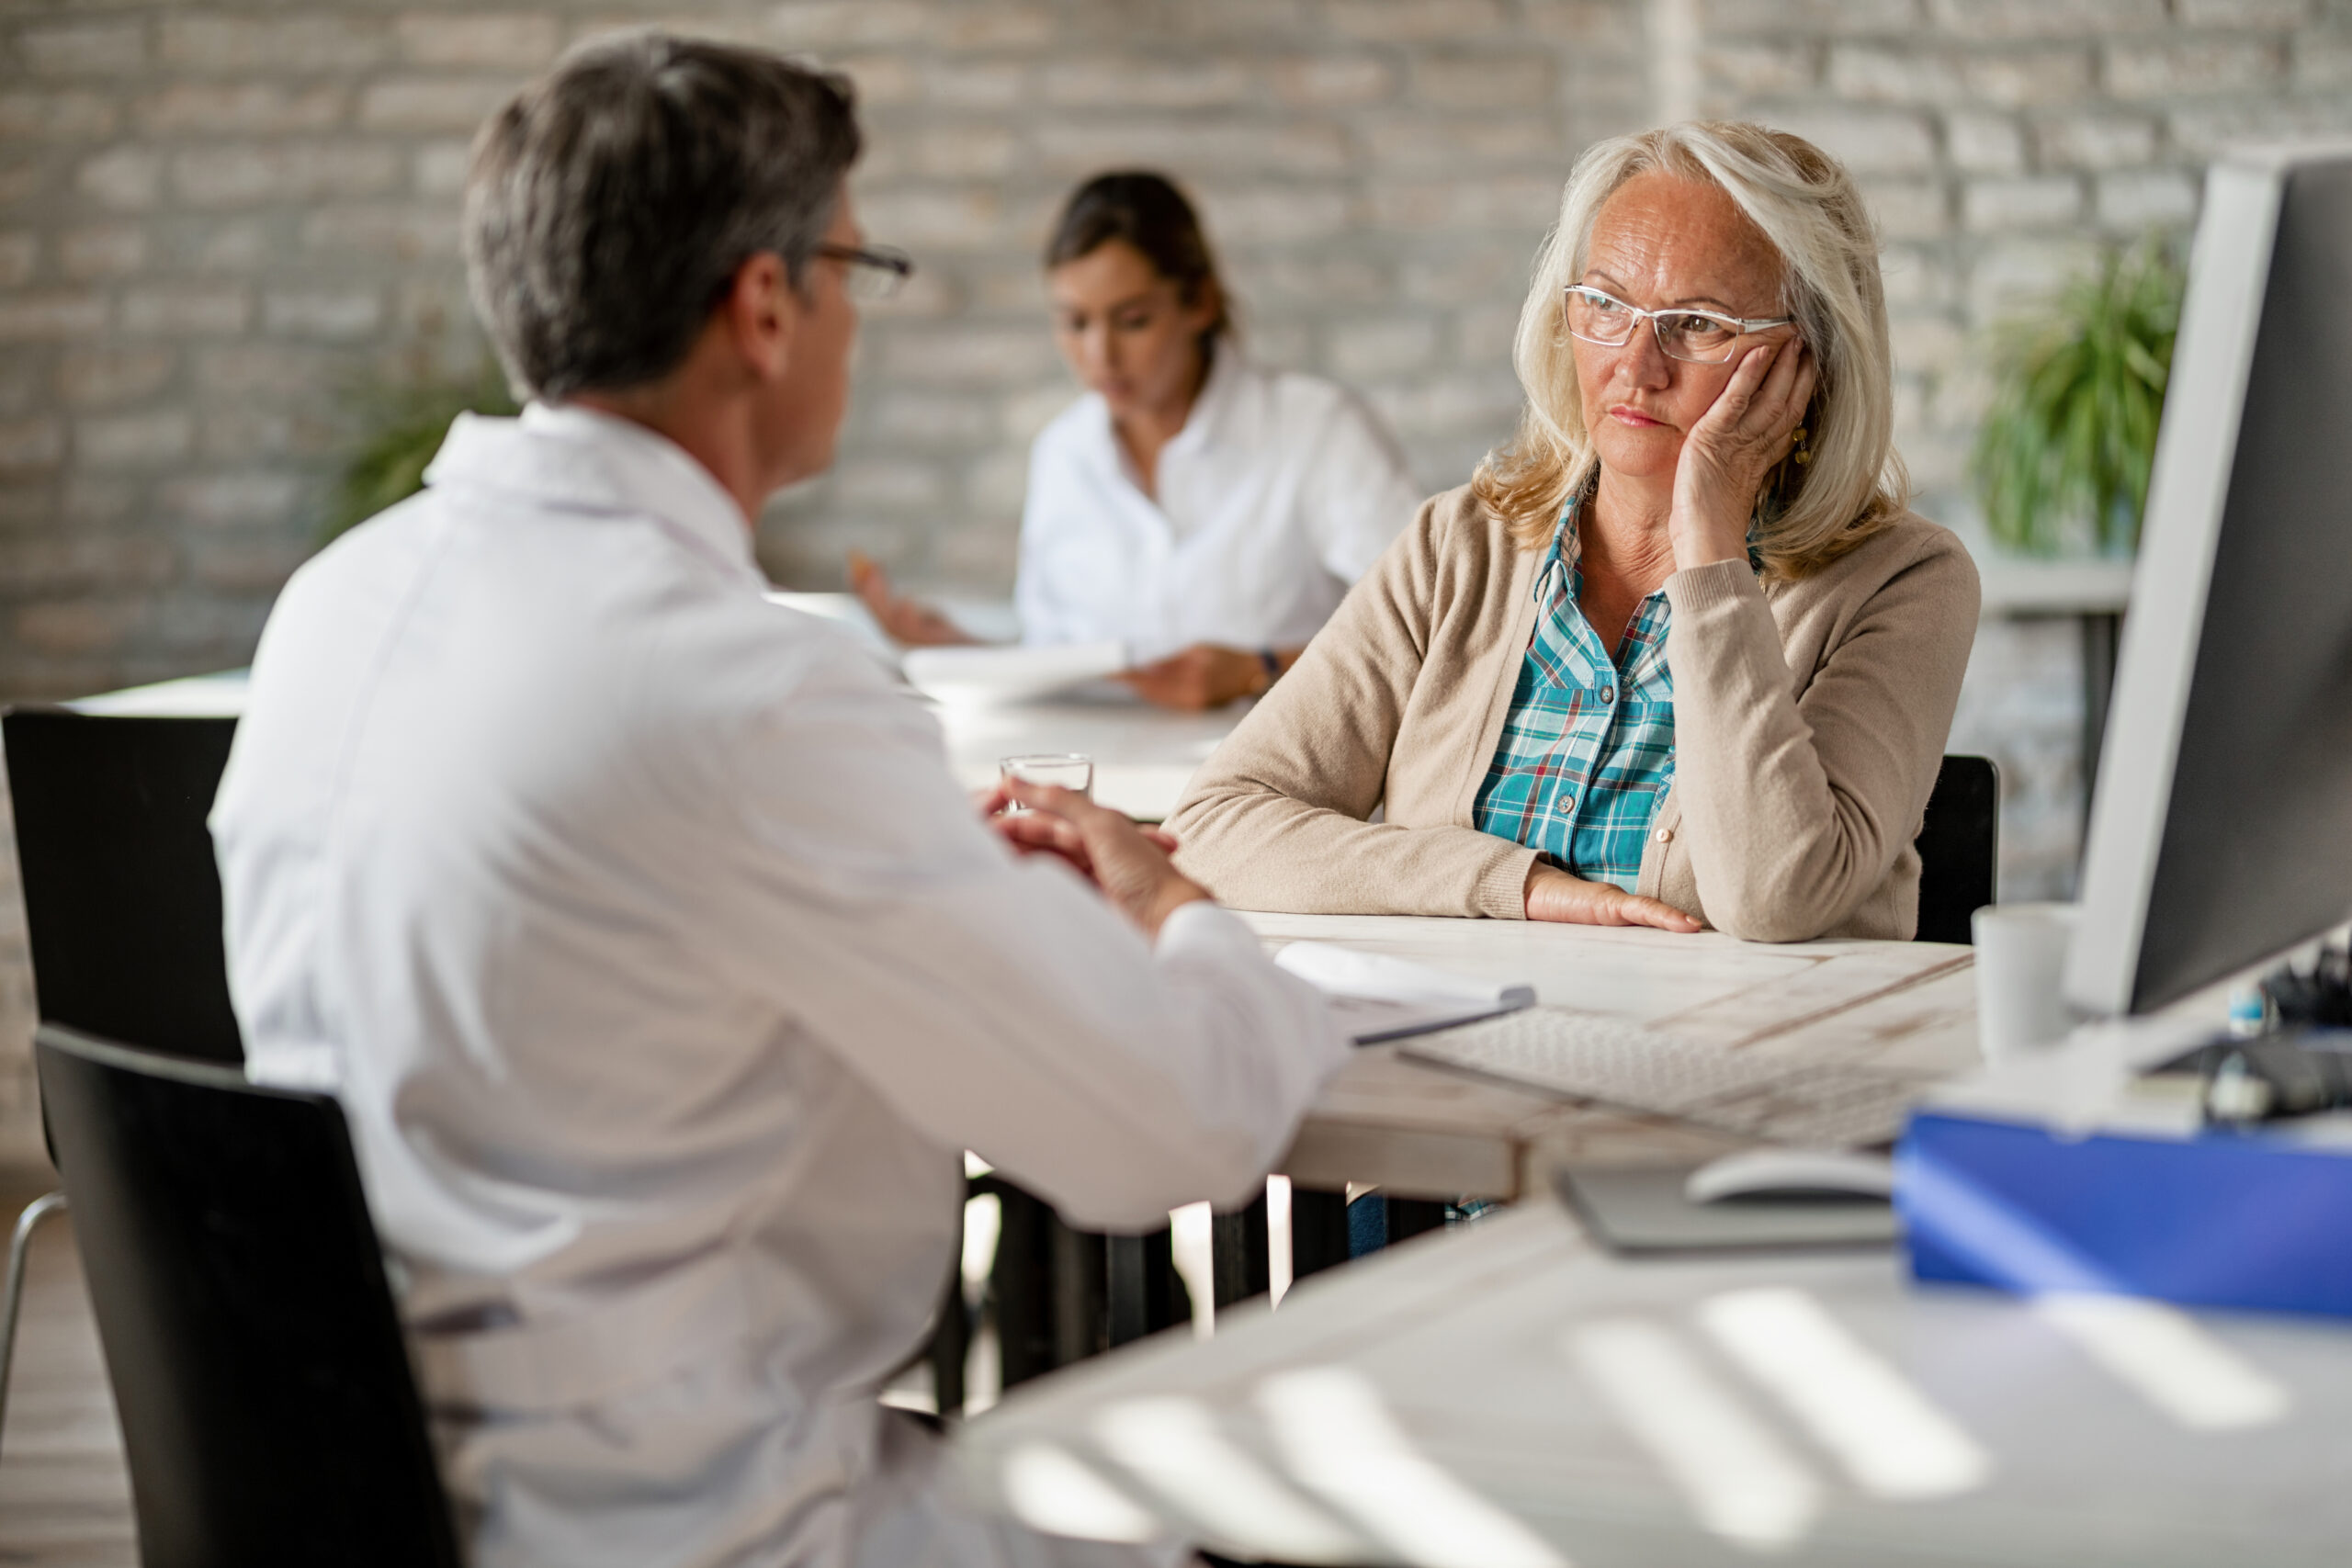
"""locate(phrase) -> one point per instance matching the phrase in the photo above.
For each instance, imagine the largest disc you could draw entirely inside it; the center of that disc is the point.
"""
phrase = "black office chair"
(1960, 848)
(122, 901)
(269, 1410)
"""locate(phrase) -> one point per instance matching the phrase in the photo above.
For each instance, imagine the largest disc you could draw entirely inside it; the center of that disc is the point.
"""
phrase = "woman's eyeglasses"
(1701, 337)
(873, 272)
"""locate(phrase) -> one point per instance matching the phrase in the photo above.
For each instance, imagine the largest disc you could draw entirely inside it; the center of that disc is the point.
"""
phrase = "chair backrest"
(269, 1410)
(122, 899)
(1960, 848)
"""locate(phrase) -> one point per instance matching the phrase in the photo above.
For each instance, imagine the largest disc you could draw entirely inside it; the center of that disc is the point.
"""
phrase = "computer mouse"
(1791, 1174)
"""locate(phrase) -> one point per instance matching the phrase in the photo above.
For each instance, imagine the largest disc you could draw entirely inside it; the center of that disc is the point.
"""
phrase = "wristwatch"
(1273, 664)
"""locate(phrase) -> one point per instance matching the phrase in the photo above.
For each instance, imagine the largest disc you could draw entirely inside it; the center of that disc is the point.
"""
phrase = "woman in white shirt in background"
(1206, 513)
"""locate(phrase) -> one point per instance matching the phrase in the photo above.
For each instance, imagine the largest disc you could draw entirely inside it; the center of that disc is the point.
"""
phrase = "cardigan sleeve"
(1277, 819)
(1795, 807)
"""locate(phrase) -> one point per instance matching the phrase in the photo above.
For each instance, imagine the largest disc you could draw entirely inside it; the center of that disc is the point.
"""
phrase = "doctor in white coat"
(660, 967)
(1206, 513)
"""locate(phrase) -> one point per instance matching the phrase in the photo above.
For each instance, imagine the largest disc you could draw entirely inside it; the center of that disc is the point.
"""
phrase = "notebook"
(1376, 997)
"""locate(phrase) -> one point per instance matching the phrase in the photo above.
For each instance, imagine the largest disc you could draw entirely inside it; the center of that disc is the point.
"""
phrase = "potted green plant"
(401, 429)
(2068, 442)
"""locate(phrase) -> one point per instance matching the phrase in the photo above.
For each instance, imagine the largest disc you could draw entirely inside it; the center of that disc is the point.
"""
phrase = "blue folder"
(2259, 1220)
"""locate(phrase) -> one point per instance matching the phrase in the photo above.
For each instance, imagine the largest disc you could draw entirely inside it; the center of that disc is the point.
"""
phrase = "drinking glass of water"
(1072, 771)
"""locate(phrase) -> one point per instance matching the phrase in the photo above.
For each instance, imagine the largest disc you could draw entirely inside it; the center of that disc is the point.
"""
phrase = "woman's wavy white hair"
(1807, 207)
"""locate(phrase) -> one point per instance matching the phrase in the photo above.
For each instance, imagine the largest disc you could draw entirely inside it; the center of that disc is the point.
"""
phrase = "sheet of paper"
(1374, 997)
(997, 674)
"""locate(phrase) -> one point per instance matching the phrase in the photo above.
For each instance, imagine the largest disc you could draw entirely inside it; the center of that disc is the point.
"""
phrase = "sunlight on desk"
(1841, 1413)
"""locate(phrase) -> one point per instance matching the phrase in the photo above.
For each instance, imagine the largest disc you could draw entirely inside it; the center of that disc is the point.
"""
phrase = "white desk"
(1143, 755)
(2095, 594)
(2064, 1455)
(1423, 1131)
(2023, 585)
(194, 696)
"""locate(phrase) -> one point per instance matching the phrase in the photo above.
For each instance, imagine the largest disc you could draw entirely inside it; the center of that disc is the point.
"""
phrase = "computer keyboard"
(1634, 1069)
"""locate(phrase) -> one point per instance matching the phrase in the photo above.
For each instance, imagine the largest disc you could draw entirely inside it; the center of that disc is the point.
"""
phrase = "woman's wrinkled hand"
(1554, 895)
(910, 622)
(1128, 863)
(1744, 435)
(1203, 676)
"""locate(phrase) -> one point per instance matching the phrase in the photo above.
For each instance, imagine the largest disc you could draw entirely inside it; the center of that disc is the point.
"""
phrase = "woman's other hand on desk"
(1206, 675)
(907, 620)
(1554, 895)
(1128, 863)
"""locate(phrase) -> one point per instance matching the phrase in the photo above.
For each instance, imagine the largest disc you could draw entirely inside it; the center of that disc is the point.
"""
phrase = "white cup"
(2021, 977)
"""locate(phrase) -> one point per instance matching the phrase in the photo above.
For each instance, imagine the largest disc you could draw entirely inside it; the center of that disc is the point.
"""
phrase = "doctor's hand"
(907, 621)
(1129, 864)
(1554, 895)
(1203, 676)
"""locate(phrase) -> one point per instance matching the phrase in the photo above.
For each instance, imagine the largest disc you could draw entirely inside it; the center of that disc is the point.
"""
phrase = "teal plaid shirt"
(1589, 747)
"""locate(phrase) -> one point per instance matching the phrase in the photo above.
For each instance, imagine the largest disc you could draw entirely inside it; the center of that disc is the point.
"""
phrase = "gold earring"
(1803, 454)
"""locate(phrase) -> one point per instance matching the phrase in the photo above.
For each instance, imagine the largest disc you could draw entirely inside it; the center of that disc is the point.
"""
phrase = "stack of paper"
(992, 675)
(1376, 997)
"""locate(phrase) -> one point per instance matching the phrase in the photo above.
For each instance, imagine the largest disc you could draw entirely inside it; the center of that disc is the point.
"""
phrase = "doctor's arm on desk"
(1116, 1063)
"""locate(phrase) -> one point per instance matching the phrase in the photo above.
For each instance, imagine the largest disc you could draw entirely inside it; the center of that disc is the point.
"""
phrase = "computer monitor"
(2221, 832)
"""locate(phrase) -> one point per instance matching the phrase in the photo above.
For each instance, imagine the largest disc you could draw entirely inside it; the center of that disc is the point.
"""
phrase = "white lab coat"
(664, 974)
(1279, 492)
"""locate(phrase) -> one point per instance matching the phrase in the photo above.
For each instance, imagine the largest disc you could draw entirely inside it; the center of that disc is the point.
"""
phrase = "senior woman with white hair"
(1678, 655)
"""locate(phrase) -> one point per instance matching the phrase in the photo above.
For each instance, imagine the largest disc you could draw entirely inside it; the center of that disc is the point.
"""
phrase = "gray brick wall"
(2003, 140)
(217, 222)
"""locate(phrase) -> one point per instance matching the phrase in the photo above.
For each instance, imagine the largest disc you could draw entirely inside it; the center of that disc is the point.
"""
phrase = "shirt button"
(1666, 835)
(1608, 693)
(1567, 803)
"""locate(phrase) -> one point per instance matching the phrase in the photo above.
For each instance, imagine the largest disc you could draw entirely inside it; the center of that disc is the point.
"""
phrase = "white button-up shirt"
(1278, 493)
(664, 974)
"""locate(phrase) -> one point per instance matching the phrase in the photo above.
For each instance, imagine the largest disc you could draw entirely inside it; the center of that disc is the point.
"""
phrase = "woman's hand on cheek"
(1554, 895)
(1744, 434)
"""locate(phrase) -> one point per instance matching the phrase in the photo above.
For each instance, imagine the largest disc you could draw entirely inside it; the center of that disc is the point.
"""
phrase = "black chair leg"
(1143, 1291)
(19, 1243)
(951, 1345)
(1318, 1231)
(1022, 1284)
(1240, 1250)
(1081, 1293)
(1051, 1285)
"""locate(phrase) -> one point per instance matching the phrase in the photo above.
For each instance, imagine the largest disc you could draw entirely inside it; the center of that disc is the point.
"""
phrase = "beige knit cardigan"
(1809, 717)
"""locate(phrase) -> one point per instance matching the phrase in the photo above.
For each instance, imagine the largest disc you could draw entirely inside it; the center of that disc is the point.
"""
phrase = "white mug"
(2021, 976)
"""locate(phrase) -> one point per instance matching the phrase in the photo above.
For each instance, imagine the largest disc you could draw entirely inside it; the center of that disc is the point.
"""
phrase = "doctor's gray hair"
(611, 202)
